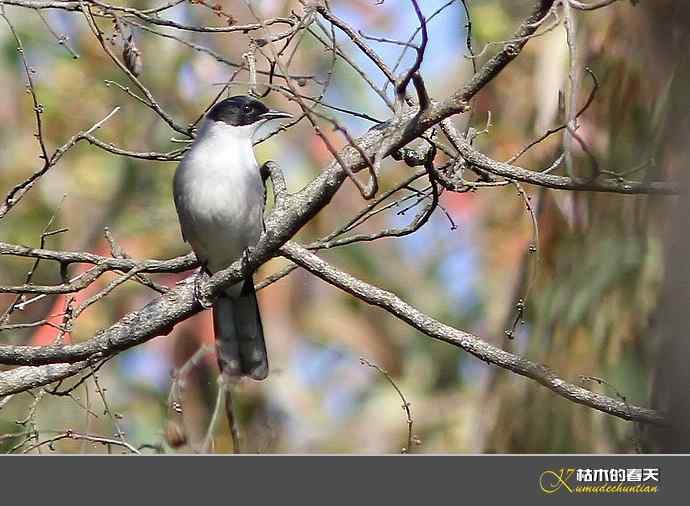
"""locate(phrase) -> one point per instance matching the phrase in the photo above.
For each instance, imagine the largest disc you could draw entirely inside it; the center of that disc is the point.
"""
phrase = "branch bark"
(468, 342)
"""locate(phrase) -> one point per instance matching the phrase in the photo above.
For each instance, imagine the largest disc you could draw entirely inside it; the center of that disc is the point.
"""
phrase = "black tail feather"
(240, 344)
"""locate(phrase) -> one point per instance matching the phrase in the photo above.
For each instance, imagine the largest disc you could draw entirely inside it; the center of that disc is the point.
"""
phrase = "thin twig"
(405, 405)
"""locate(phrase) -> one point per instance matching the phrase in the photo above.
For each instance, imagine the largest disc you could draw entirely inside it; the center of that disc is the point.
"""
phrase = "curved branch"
(474, 157)
(143, 15)
(590, 7)
(468, 342)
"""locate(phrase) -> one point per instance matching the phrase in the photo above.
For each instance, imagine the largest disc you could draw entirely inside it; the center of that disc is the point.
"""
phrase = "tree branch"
(468, 342)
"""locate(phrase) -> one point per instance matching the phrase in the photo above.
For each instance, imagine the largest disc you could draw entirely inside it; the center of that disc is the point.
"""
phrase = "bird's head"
(243, 112)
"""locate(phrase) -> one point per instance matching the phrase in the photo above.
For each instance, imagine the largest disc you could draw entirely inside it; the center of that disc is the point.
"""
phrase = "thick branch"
(472, 344)
(25, 378)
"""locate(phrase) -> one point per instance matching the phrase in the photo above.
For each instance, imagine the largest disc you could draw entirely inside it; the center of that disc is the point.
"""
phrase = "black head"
(242, 110)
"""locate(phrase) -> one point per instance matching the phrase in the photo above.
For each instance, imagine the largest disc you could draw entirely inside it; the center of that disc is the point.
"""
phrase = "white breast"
(219, 194)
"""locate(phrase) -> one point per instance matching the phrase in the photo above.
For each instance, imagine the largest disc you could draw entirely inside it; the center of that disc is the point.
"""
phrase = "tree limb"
(468, 342)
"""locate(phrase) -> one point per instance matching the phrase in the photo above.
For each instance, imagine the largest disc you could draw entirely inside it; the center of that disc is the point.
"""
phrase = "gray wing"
(185, 219)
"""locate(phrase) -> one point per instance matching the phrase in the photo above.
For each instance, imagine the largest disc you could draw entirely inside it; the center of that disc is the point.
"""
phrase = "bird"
(219, 197)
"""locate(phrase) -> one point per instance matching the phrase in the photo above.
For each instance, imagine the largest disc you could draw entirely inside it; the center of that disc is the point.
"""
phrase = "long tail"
(240, 344)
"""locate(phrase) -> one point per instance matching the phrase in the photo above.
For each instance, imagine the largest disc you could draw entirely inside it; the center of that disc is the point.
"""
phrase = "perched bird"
(219, 196)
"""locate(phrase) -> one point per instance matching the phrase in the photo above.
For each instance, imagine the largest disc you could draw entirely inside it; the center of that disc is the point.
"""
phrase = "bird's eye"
(247, 108)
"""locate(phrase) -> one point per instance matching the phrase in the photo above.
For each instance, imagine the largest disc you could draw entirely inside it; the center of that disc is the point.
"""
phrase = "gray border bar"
(326, 480)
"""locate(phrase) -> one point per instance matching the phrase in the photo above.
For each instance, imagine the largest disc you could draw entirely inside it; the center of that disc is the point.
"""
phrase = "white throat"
(218, 130)
(227, 147)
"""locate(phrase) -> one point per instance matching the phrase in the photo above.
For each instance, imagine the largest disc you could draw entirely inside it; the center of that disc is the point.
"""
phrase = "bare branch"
(590, 6)
(401, 85)
(471, 344)
(16, 194)
(405, 404)
(21, 379)
(514, 172)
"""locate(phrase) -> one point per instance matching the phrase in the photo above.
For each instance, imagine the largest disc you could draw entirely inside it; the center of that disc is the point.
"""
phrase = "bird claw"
(199, 279)
(245, 257)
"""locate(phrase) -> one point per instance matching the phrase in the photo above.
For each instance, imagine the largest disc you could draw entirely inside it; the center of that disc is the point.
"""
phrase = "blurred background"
(589, 291)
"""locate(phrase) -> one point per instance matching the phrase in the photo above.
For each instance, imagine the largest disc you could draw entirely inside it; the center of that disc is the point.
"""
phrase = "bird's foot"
(248, 251)
(201, 277)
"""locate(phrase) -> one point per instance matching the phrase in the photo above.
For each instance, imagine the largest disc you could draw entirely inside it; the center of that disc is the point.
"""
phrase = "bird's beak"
(275, 114)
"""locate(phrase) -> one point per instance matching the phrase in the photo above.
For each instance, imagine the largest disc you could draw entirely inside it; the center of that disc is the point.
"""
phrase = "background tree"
(496, 165)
